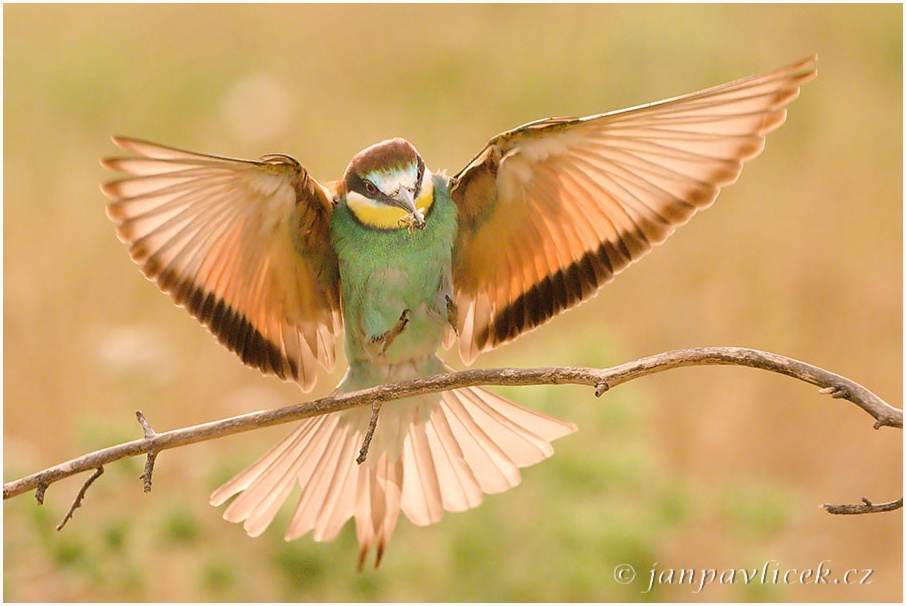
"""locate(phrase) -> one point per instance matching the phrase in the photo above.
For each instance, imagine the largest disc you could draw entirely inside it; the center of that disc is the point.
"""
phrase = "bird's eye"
(370, 189)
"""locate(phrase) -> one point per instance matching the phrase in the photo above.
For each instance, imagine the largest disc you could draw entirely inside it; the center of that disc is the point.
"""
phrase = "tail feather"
(273, 477)
(493, 469)
(339, 505)
(507, 425)
(316, 476)
(461, 489)
(243, 480)
(304, 457)
(422, 497)
(539, 425)
(377, 507)
(454, 448)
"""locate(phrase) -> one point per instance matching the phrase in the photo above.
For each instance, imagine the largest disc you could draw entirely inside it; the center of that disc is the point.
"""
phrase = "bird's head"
(386, 186)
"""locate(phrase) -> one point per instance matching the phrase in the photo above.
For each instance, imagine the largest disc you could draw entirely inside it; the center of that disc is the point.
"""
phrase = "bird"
(398, 261)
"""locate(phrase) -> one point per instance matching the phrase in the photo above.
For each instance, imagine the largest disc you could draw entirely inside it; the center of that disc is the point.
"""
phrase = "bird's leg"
(452, 314)
(395, 331)
(372, 426)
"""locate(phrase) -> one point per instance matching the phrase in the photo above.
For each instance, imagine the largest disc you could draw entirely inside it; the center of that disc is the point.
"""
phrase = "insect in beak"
(415, 219)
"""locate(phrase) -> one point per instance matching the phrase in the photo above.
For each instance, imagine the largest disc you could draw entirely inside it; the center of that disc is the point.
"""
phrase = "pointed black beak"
(404, 200)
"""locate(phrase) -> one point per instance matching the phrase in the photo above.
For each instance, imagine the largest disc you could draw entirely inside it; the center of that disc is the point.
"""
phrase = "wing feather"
(552, 210)
(243, 245)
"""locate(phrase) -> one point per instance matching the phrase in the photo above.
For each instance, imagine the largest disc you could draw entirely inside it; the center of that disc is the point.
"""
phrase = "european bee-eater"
(276, 264)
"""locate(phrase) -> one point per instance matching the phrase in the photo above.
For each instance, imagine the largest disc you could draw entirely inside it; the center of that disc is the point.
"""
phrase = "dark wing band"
(244, 246)
(551, 211)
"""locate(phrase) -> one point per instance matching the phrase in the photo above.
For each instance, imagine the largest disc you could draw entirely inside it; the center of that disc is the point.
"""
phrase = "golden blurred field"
(720, 468)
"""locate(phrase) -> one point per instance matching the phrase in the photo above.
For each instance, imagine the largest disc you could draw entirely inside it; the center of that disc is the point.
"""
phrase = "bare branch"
(601, 379)
(865, 506)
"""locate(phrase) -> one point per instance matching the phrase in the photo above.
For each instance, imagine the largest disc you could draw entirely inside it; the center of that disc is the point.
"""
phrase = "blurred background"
(719, 468)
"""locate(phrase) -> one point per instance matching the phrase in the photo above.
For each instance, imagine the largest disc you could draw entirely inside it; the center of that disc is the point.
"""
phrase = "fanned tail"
(454, 449)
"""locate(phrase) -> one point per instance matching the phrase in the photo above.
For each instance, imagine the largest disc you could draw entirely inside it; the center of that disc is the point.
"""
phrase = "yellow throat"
(381, 216)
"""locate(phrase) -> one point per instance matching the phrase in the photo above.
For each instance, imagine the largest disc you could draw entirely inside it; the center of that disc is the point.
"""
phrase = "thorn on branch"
(80, 496)
(601, 388)
(886, 421)
(865, 506)
(40, 489)
(838, 392)
(372, 426)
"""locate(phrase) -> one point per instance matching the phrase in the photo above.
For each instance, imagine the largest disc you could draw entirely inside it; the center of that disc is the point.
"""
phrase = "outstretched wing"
(551, 211)
(244, 246)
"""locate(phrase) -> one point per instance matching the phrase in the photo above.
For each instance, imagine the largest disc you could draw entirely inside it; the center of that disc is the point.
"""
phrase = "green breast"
(383, 272)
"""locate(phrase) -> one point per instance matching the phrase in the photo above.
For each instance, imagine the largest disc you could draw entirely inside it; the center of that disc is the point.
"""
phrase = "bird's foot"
(452, 314)
(388, 337)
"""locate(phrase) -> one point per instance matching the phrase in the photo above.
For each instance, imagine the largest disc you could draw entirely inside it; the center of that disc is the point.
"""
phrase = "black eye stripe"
(421, 173)
(360, 186)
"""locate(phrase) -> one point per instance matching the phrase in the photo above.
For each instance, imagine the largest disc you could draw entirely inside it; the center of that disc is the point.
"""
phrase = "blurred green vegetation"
(703, 468)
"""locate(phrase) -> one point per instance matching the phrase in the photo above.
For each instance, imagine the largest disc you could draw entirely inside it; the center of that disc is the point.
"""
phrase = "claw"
(388, 337)
(452, 314)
